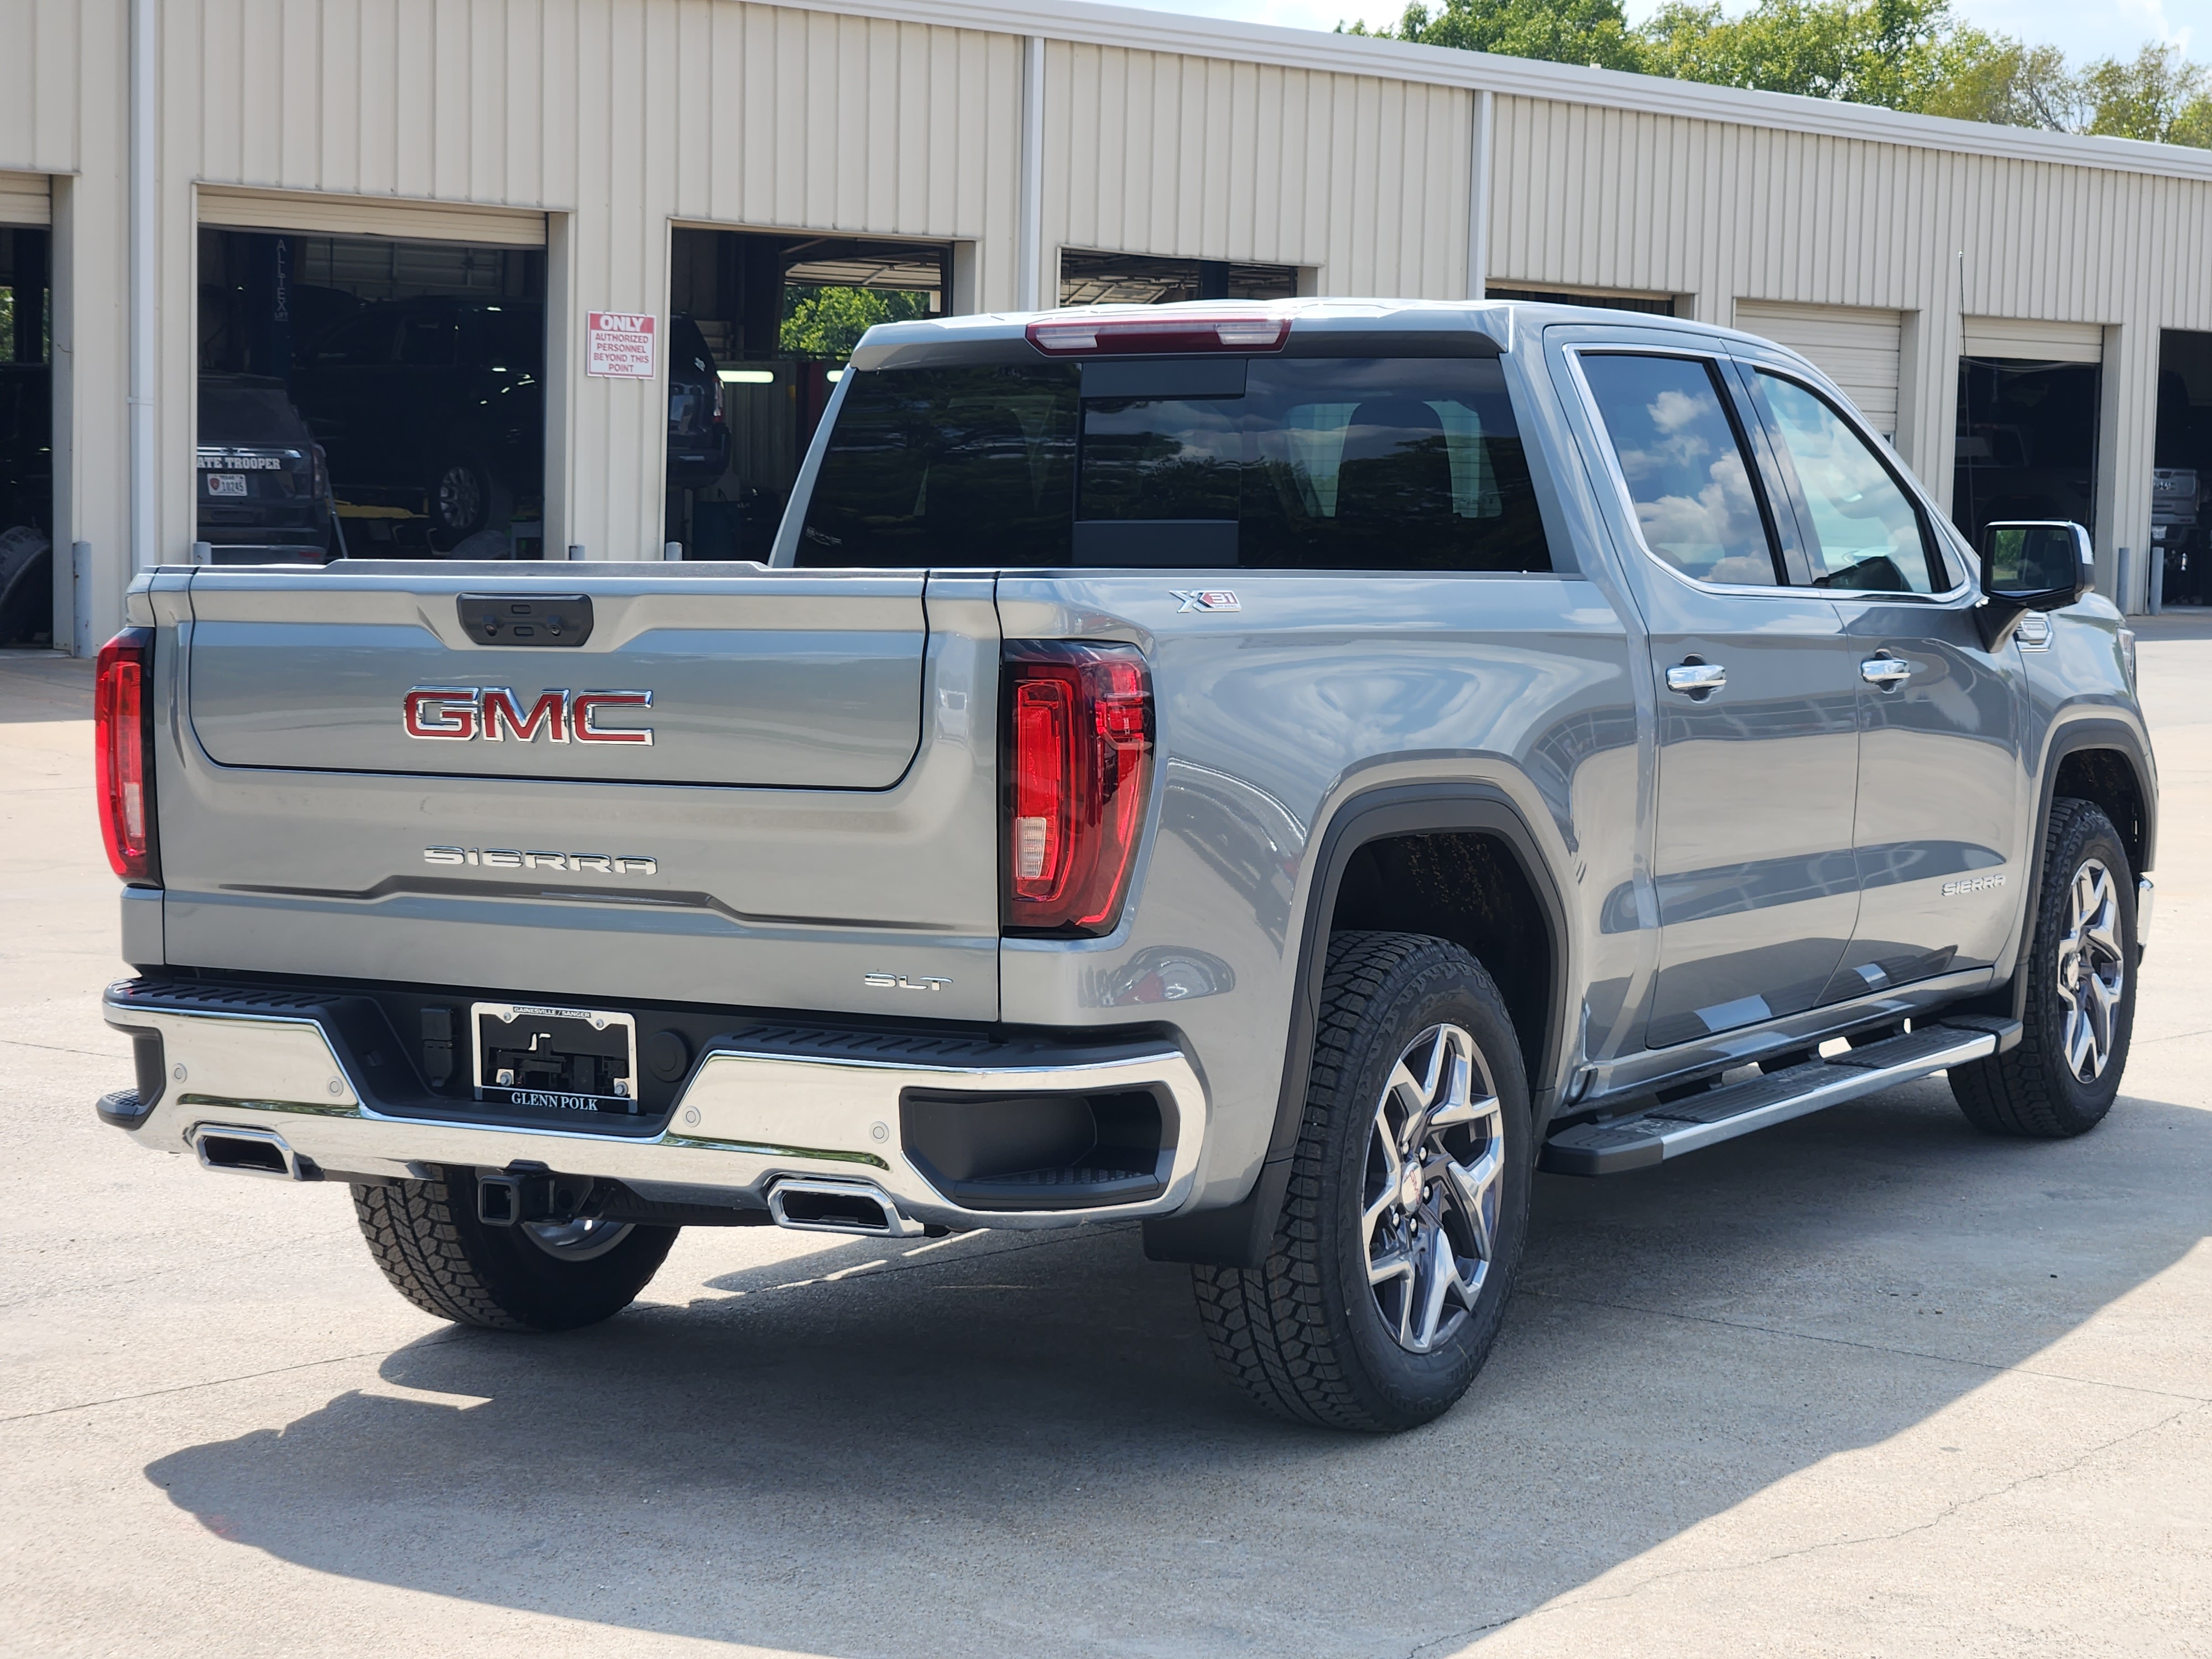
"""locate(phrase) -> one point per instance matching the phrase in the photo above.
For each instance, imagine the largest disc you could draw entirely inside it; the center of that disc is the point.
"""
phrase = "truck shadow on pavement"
(1017, 1445)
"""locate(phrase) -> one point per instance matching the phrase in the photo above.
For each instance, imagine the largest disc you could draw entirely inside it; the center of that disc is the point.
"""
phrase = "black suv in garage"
(435, 405)
(264, 486)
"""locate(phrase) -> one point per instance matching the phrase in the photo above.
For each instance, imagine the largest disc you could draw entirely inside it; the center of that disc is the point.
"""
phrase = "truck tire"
(2061, 1079)
(426, 1236)
(1381, 1292)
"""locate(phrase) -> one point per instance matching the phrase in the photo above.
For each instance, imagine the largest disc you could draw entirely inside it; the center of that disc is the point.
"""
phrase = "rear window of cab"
(1286, 463)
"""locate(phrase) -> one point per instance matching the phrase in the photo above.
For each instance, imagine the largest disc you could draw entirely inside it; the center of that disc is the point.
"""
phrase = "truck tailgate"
(803, 815)
(785, 684)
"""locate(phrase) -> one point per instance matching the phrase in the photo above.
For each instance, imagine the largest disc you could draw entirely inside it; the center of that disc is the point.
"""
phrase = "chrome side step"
(1642, 1139)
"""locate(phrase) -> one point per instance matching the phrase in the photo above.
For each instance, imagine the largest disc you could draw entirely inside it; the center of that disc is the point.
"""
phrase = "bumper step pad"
(1643, 1138)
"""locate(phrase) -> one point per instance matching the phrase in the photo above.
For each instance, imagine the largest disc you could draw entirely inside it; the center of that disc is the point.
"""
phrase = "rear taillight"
(123, 749)
(1078, 758)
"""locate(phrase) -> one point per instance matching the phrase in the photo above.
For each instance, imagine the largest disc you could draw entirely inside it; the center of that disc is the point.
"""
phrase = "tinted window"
(365, 339)
(427, 342)
(948, 466)
(1316, 464)
(1679, 451)
(237, 411)
(511, 337)
(1865, 532)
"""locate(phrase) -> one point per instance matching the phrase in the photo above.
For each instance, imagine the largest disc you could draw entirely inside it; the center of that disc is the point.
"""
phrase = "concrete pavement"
(1866, 1384)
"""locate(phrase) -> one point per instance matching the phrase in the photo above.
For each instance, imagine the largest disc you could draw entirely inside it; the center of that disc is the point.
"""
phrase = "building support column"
(1927, 397)
(1477, 197)
(2127, 430)
(145, 275)
(1029, 279)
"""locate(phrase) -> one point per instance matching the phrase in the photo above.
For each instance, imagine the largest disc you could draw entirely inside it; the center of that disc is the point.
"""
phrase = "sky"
(2098, 29)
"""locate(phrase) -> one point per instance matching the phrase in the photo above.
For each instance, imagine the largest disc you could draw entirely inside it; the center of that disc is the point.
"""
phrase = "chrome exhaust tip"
(246, 1152)
(814, 1206)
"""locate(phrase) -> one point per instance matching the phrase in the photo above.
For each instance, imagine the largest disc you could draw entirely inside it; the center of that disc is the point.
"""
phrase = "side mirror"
(2044, 565)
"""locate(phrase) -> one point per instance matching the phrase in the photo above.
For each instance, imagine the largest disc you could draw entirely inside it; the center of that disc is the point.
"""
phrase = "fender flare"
(1239, 1234)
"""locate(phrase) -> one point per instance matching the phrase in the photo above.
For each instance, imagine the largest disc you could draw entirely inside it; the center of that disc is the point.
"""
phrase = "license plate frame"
(548, 1042)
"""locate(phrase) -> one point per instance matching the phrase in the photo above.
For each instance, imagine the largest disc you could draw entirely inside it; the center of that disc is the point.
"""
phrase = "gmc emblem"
(456, 713)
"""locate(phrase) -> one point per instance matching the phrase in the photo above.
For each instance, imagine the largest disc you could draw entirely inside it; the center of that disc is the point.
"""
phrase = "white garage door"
(351, 215)
(1855, 347)
(24, 199)
(2031, 340)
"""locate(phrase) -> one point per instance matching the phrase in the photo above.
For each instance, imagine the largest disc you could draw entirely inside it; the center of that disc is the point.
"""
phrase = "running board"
(1646, 1138)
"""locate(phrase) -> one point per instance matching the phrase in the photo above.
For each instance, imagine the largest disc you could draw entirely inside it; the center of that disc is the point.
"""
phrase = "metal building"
(220, 214)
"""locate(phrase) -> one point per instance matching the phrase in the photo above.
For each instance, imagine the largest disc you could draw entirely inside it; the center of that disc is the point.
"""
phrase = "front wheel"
(536, 1276)
(2062, 1078)
(1391, 1268)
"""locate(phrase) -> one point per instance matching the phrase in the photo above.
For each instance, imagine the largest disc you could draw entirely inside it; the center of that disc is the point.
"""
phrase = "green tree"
(829, 321)
(1892, 52)
(1592, 32)
(1997, 79)
(1903, 54)
(2159, 95)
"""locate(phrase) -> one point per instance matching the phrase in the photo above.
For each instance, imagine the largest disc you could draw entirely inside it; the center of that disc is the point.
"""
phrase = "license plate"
(562, 1061)
(226, 484)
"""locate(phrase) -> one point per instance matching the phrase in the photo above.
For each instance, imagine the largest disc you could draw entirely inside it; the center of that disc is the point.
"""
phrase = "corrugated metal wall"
(1364, 179)
(43, 68)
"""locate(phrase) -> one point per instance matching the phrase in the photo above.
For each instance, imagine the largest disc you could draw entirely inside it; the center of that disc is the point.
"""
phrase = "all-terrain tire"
(1304, 1335)
(2033, 1091)
(427, 1239)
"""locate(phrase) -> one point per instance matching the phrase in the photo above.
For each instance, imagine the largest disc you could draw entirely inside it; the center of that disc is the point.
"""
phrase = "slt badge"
(903, 983)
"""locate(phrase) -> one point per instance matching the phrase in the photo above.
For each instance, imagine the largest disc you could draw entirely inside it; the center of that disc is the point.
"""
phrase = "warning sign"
(619, 343)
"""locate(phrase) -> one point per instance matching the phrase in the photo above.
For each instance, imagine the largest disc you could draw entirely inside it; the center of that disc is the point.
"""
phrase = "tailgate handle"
(526, 619)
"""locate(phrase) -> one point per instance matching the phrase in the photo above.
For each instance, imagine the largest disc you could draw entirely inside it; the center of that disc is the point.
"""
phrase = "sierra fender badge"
(1205, 599)
(1972, 884)
(903, 983)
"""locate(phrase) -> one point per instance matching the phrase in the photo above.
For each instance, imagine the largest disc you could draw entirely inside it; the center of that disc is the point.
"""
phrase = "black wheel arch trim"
(1237, 1235)
(2069, 737)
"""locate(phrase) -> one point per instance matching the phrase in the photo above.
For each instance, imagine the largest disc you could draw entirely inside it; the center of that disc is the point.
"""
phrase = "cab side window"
(1866, 535)
(1672, 432)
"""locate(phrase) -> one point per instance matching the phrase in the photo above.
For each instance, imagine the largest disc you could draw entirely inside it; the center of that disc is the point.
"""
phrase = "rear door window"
(1697, 505)
(1288, 464)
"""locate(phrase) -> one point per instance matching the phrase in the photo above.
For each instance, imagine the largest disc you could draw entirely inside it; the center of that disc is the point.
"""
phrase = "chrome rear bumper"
(746, 1120)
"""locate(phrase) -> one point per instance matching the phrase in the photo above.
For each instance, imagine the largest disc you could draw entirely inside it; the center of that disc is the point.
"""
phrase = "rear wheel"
(1394, 1257)
(2062, 1078)
(538, 1276)
(458, 499)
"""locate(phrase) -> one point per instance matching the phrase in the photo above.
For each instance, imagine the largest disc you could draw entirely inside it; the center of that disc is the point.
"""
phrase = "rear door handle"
(1697, 679)
(1887, 673)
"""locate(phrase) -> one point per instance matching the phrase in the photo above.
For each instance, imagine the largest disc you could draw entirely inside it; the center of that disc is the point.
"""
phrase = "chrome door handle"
(1697, 679)
(1887, 673)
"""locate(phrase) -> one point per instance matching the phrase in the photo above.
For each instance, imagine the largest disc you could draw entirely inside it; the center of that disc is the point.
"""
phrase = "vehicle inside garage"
(2181, 466)
(370, 396)
(26, 459)
(760, 325)
(2027, 442)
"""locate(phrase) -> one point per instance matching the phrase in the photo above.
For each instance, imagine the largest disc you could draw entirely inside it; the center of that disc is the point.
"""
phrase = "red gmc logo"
(456, 713)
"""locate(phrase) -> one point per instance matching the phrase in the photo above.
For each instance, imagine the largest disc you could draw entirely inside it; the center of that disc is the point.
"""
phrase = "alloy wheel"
(1435, 1166)
(2092, 969)
(456, 502)
(582, 1240)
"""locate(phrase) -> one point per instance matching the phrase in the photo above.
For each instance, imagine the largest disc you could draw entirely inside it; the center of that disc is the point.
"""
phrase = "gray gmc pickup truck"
(1283, 774)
